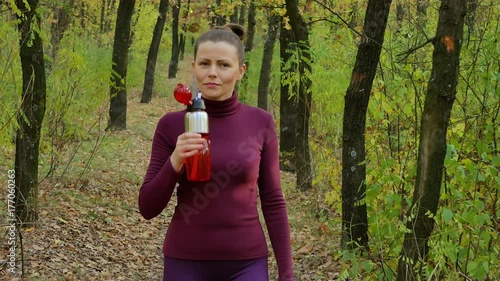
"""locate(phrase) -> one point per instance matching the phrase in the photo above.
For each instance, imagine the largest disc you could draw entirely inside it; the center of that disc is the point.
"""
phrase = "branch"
(338, 16)
(319, 20)
(410, 51)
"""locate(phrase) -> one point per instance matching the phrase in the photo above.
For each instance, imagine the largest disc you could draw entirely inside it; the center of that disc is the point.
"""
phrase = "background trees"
(464, 240)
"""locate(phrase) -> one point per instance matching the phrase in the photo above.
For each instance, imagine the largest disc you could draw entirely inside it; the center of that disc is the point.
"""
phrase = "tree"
(183, 38)
(106, 8)
(242, 85)
(302, 155)
(243, 11)
(441, 91)
(174, 59)
(267, 59)
(149, 78)
(118, 91)
(60, 23)
(288, 98)
(234, 17)
(354, 216)
(250, 26)
(31, 113)
(217, 19)
(400, 13)
(422, 8)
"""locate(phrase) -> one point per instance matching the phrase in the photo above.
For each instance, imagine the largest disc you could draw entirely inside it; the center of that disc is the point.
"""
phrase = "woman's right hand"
(188, 144)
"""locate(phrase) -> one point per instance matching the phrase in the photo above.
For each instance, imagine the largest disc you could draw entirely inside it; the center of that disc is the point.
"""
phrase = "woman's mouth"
(211, 85)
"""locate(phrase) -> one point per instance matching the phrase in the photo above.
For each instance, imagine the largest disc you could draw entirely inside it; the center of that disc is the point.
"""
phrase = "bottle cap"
(196, 104)
(182, 94)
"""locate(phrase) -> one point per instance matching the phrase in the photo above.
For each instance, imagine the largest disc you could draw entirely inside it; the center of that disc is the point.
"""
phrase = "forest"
(386, 113)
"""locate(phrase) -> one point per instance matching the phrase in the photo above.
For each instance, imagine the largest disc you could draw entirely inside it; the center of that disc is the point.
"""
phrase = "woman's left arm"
(273, 203)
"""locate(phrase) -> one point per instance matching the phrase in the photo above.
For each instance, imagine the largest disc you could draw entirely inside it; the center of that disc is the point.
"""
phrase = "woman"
(215, 233)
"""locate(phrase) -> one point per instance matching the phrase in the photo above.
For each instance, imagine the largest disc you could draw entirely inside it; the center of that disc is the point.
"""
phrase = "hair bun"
(236, 29)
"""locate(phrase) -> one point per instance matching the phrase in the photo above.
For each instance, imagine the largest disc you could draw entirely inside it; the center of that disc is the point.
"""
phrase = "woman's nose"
(212, 72)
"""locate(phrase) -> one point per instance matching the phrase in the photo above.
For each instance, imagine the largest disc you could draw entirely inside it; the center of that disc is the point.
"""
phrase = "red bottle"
(198, 167)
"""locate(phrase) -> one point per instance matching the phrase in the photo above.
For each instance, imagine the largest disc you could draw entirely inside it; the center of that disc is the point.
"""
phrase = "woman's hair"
(231, 33)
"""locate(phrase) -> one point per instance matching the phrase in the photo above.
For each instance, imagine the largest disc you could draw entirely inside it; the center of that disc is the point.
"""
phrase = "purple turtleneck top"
(218, 219)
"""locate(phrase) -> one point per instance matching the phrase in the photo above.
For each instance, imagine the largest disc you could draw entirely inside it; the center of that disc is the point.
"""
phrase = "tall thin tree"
(243, 11)
(31, 113)
(174, 58)
(302, 154)
(149, 77)
(267, 59)
(250, 26)
(441, 91)
(288, 97)
(184, 29)
(118, 89)
(354, 216)
(61, 20)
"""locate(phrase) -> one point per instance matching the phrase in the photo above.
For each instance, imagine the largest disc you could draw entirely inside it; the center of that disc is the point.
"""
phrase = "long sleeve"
(274, 205)
(161, 178)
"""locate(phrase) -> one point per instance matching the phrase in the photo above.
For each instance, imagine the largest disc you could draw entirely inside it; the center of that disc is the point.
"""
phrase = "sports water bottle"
(196, 121)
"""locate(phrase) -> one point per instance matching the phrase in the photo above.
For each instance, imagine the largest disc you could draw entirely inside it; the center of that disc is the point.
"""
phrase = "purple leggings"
(233, 270)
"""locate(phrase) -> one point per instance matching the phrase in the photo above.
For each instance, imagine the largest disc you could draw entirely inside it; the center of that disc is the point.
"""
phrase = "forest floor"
(90, 228)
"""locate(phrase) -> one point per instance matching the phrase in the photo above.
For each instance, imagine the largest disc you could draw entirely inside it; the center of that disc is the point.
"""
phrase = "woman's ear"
(243, 69)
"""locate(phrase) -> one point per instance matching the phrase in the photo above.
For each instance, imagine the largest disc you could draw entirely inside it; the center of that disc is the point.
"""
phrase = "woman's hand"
(188, 144)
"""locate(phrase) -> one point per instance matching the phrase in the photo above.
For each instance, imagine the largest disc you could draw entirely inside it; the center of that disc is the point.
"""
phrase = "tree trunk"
(217, 19)
(102, 22)
(182, 43)
(31, 113)
(174, 59)
(81, 15)
(471, 17)
(106, 7)
(234, 17)
(60, 23)
(134, 22)
(354, 15)
(118, 91)
(303, 157)
(354, 217)
(243, 84)
(149, 79)
(441, 92)
(250, 26)
(400, 13)
(267, 59)
(243, 11)
(111, 7)
(288, 99)
(422, 8)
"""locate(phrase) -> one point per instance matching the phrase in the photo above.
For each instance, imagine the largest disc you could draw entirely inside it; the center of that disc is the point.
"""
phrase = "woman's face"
(217, 69)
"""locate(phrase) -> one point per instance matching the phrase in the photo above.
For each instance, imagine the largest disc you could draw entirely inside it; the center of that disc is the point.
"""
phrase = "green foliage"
(465, 238)
(9, 72)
